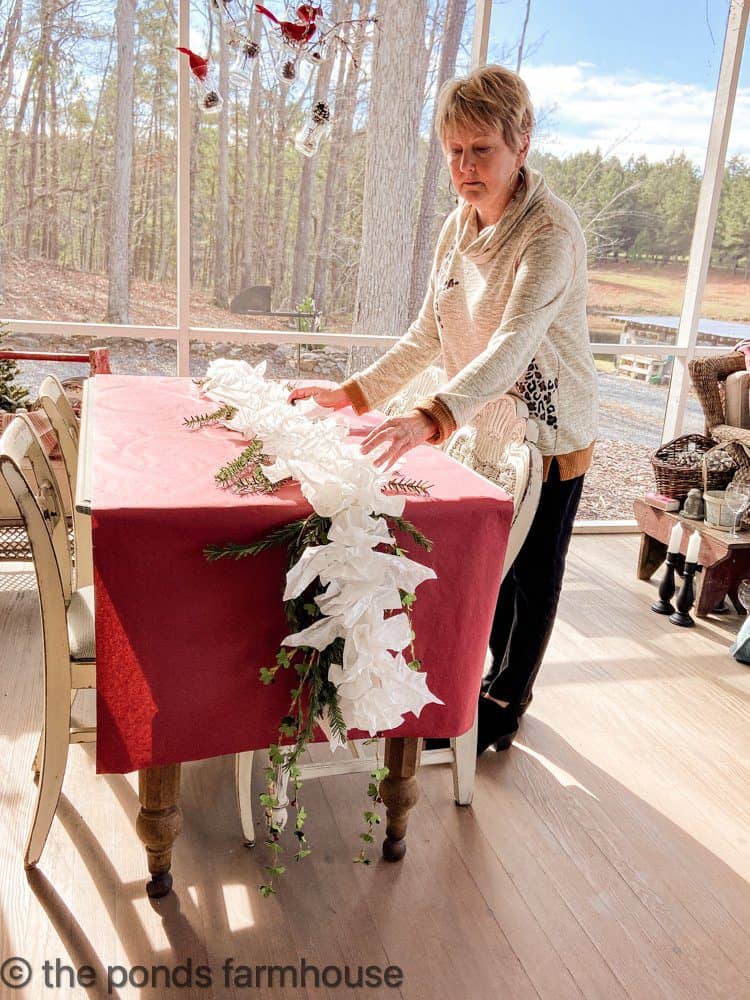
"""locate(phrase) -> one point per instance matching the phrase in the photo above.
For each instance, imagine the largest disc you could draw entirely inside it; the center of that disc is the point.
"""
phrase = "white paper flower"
(362, 586)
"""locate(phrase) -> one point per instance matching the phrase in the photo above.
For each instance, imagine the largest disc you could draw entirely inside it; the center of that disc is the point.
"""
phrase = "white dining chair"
(67, 618)
(65, 423)
(500, 444)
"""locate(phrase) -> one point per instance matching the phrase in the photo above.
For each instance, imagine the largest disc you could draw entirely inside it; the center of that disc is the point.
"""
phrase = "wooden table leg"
(159, 822)
(652, 554)
(400, 792)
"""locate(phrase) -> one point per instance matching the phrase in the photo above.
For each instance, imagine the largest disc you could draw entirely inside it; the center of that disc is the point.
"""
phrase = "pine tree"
(12, 396)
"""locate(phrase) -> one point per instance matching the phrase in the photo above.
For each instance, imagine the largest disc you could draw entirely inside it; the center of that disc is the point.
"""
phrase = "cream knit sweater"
(505, 311)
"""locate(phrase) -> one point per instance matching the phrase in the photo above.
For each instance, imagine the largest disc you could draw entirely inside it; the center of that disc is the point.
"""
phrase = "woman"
(506, 310)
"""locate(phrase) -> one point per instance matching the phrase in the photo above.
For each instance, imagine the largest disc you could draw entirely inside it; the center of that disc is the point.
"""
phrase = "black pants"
(527, 603)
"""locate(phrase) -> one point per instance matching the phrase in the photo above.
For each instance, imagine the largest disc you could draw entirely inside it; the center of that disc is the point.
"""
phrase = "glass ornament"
(316, 127)
(246, 51)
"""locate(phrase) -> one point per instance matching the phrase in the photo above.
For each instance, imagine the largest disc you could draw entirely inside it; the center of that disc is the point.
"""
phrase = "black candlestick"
(667, 586)
(685, 598)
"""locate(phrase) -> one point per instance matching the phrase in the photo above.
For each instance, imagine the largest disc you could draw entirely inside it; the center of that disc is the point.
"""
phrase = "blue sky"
(635, 77)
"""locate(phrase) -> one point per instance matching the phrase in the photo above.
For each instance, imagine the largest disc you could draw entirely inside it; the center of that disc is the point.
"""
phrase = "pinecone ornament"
(308, 139)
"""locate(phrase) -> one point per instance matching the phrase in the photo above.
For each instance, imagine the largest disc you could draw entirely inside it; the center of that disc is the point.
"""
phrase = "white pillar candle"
(693, 548)
(675, 538)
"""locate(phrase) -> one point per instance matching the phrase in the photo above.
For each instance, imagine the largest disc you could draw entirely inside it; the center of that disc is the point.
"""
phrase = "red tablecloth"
(179, 640)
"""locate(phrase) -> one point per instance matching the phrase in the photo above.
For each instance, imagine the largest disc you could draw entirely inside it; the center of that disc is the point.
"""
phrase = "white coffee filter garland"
(376, 687)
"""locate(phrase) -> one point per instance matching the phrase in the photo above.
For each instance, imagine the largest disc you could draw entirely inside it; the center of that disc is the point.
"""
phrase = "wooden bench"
(644, 366)
(724, 562)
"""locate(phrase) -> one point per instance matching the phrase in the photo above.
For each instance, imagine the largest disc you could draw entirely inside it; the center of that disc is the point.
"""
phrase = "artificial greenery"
(12, 396)
(224, 412)
(411, 487)
(372, 818)
(233, 470)
(313, 694)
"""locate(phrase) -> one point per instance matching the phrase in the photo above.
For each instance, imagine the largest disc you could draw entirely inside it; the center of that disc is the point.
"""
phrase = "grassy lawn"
(658, 289)
(605, 364)
(60, 293)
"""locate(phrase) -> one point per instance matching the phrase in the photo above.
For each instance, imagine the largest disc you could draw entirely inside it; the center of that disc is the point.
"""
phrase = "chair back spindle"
(65, 424)
(27, 471)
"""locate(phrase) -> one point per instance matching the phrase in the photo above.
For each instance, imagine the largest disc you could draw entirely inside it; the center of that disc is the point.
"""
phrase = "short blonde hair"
(488, 98)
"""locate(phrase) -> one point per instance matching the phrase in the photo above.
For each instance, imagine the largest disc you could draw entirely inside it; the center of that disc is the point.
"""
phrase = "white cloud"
(582, 107)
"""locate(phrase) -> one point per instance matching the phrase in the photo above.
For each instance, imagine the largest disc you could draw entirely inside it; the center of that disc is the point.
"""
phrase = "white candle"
(691, 556)
(675, 538)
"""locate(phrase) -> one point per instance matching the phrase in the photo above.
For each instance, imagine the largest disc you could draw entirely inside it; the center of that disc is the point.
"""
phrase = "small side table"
(725, 562)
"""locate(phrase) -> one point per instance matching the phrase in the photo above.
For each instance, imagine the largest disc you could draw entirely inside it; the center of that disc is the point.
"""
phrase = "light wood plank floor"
(606, 855)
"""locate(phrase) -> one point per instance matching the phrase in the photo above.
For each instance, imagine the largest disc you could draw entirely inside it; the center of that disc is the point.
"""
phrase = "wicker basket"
(718, 515)
(675, 478)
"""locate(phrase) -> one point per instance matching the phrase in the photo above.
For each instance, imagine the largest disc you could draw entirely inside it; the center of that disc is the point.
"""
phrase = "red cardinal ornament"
(293, 32)
(198, 65)
(309, 13)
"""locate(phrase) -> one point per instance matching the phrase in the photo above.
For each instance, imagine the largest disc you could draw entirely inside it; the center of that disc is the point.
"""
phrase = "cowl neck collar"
(481, 245)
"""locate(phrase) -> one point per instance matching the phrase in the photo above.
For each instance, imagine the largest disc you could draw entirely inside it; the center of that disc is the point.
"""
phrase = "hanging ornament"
(293, 32)
(287, 69)
(306, 12)
(317, 49)
(318, 124)
(198, 65)
(318, 53)
(286, 58)
(301, 34)
(246, 51)
(207, 83)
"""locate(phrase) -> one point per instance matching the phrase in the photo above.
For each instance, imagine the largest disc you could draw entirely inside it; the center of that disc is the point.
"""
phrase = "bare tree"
(390, 174)
(37, 137)
(343, 119)
(251, 168)
(455, 15)
(301, 261)
(8, 43)
(522, 40)
(118, 302)
(221, 255)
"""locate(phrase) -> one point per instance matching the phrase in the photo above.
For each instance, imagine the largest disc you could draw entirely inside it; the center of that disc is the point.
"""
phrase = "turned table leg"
(400, 792)
(159, 822)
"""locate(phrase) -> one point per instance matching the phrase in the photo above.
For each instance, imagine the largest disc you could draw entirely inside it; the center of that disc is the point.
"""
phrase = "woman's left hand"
(396, 436)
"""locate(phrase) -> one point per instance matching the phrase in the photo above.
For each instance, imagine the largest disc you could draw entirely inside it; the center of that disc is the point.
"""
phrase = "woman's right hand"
(334, 399)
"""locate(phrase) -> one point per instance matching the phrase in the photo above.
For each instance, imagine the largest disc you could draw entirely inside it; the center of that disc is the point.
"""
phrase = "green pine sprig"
(402, 485)
(237, 550)
(248, 456)
(406, 526)
(253, 481)
(225, 412)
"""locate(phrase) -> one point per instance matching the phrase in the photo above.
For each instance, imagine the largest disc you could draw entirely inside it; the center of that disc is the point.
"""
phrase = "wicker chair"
(721, 385)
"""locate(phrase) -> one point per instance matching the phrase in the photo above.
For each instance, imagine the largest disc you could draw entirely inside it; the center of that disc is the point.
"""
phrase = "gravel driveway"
(631, 410)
